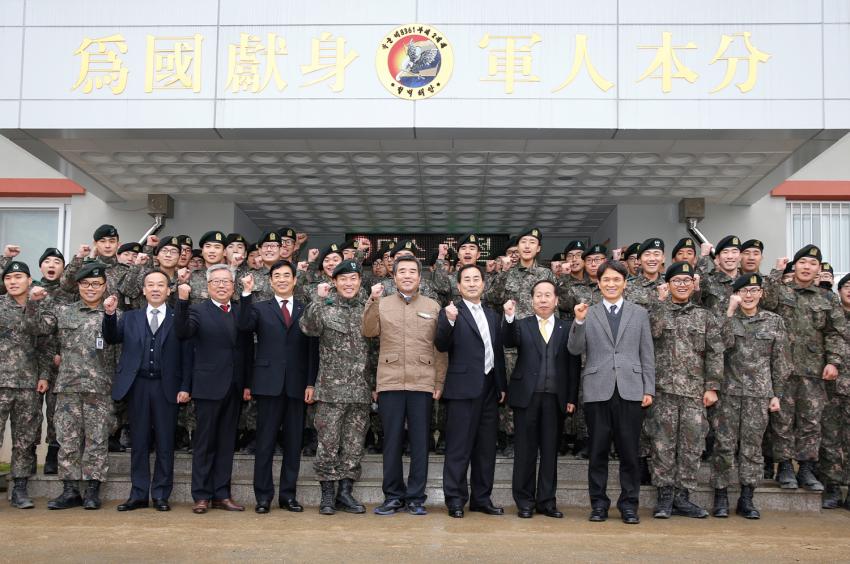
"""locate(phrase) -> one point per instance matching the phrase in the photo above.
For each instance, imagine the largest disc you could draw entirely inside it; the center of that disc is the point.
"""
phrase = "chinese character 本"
(666, 59)
(244, 63)
(327, 54)
(101, 64)
(582, 57)
(754, 57)
(173, 63)
(513, 62)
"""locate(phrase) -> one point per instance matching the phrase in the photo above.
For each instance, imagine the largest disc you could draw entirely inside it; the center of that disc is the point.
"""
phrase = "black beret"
(286, 232)
(746, 280)
(104, 231)
(652, 244)
(16, 266)
(235, 238)
(728, 242)
(346, 267)
(684, 243)
(51, 252)
(471, 239)
(678, 268)
(386, 247)
(333, 248)
(269, 237)
(254, 248)
(575, 245)
(168, 242)
(753, 244)
(130, 248)
(350, 244)
(405, 245)
(91, 270)
(196, 253)
(789, 268)
(512, 242)
(826, 267)
(558, 257)
(844, 280)
(810, 251)
(185, 240)
(531, 232)
(212, 237)
(633, 249)
(597, 249)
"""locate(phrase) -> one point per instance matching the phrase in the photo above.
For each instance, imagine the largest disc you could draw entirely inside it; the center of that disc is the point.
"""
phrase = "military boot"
(682, 505)
(345, 501)
(441, 444)
(34, 467)
(768, 468)
(326, 505)
(664, 507)
(311, 443)
(831, 498)
(645, 476)
(745, 507)
(509, 446)
(51, 461)
(785, 476)
(721, 503)
(91, 499)
(69, 498)
(20, 497)
(806, 477)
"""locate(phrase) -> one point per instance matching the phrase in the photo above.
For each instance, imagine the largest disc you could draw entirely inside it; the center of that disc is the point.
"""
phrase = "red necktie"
(286, 317)
(225, 308)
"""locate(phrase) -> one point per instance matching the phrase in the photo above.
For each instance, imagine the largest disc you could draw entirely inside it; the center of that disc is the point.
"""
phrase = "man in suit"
(285, 368)
(618, 381)
(151, 376)
(216, 385)
(475, 386)
(542, 388)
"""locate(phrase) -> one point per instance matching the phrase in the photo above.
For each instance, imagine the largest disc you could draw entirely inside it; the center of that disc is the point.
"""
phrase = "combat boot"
(682, 505)
(721, 503)
(745, 507)
(91, 499)
(664, 507)
(645, 476)
(509, 446)
(69, 498)
(34, 467)
(768, 468)
(20, 497)
(785, 476)
(441, 444)
(806, 477)
(51, 461)
(831, 498)
(311, 443)
(345, 501)
(326, 505)
(501, 443)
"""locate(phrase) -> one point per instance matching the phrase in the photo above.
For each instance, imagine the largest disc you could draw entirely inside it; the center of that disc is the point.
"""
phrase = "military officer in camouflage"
(128, 252)
(585, 291)
(212, 251)
(689, 371)
(167, 255)
(716, 284)
(103, 251)
(757, 366)
(572, 272)
(632, 259)
(685, 250)
(642, 290)
(752, 252)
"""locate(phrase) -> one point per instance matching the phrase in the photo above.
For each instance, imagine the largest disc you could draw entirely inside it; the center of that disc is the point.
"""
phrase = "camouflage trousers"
(677, 427)
(186, 417)
(342, 432)
(120, 415)
(83, 424)
(375, 424)
(796, 426)
(49, 401)
(310, 416)
(739, 424)
(438, 417)
(22, 407)
(506, 414)
(834, 461)
(248, 416)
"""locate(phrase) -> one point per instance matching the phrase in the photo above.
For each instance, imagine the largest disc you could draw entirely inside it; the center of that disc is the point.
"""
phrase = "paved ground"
(76, 535)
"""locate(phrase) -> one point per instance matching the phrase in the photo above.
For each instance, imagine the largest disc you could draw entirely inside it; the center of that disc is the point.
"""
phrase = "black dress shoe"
(456, 512)
(525, 513)
(132, 504)
(629, 516)
(262, 507)
(551, 512)
(598, 514)
(161, 505)
(291, 504)
(390, 507)
(488, 509)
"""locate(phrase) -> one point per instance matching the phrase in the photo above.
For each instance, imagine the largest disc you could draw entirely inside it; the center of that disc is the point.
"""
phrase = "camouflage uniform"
(642, 291)
(344, 384)
(84, 410)
(689, 362)
(715, 287)
(756, 368)
(133, 283)
(816, 327)
(834, 463)
(115, 272)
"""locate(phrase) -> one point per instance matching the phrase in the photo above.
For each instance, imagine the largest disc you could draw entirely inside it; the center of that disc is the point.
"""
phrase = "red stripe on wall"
(813, 190)
(39, 188)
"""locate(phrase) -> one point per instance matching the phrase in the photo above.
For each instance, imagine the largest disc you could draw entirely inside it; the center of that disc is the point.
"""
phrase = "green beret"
(684, 243)
(286, 233)
(633, 249)
(385, 247)
(196, 253)
(91, 270)
(679, 268)
(235, 238)
(168, 242)
(575, 245)
(212, 237)
(471, 239)
(597, 249)
(746, 280)
(16, 266)
(512, 242)
(651, 244)
(104, 231)
(346, 267)
(531, 232)
(405, 245)
(254, 248)
(129, 248)
(728, 242)
(752, 244)
(810, 251)
(789, 268)
(51, 252)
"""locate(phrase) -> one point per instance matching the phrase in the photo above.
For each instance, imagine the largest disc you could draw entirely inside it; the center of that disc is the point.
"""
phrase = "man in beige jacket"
(411, 372)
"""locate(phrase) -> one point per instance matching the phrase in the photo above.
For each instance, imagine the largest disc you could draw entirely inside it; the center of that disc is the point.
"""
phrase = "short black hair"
(407, 258)
(282, 264)
(467, 267)
(155, 271)
(544, 281)
(614, 265)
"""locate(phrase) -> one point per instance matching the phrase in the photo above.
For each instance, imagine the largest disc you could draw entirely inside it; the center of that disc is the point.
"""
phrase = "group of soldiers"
(751, 371)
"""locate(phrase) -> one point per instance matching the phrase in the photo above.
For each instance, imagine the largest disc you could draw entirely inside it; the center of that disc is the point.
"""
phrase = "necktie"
(544, 330)
(484, 329)
(285, 311)
(614, 309)
(154, 320)
(225, 308)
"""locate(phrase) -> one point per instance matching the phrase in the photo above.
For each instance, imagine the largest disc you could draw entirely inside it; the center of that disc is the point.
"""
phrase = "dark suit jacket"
(286, 360)
(524, 334)
(463, 342)
(218, 346)
(131, 330)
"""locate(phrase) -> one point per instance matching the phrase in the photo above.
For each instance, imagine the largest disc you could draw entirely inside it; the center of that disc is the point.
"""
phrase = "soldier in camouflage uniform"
(716, 283)
(103, 251)
(84, 409)
(127, 253)
(631, 257)
(166, 256)
(689, 370)
(834, 464)
(816, 328)
(757, 366)
(643, 289)
(751, 255)
(345, 386)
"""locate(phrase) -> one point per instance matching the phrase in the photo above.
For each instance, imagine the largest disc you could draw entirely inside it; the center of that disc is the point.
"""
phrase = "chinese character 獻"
(244, 62)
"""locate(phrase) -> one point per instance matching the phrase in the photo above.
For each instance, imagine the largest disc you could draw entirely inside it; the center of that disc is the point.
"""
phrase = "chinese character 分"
(583, 58)
(173, 63)
(754, 56)
(670, 65)
(246, 60)
(329, 55)
(101, 65)
(513, 62)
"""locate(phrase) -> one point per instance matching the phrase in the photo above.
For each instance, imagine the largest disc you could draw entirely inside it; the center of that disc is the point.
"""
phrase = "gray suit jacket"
(629, 363)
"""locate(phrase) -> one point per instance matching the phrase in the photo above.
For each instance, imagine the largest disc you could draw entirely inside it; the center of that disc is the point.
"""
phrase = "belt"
(149, 375)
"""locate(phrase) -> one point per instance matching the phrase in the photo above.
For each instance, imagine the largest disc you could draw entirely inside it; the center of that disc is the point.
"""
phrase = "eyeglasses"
(169, 251)
(270, 246)
(220, 282)
(92, 285)
(682, 281)
(750, 291)
(288, 243)
(594, 260)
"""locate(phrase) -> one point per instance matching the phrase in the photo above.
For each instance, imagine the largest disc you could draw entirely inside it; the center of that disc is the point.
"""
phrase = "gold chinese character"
(754, 57)
(101, 65)
(513, 62)
(173, 63)
(666, 59)
(328, 54)
(582, 57)
(244, 63)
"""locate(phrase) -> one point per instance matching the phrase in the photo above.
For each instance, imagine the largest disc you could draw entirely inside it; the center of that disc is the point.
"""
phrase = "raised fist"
(37, 293)
(110, 304)
(300, 238)
(183, 291)
(248, 283)
(152, 241)
(141, 259)
(781, 263)
(616, 254)
(734, 302)
(442, 251)
(705, 249)
(323, 289)
(236, 260)
(451, 312)
(183, 275)
(506, 263)
(312, 255)
(377, 292)
(509, 308)
(303, 266)
(663, 291)
(84, 251)
(491, 266)
(581, 311)
(11, 251)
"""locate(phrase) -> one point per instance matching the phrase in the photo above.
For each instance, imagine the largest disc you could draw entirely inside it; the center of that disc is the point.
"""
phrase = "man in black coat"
(475, 386)
(285, 367)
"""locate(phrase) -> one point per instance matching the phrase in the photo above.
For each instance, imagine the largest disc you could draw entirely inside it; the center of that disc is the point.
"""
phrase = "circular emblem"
(414, 61)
